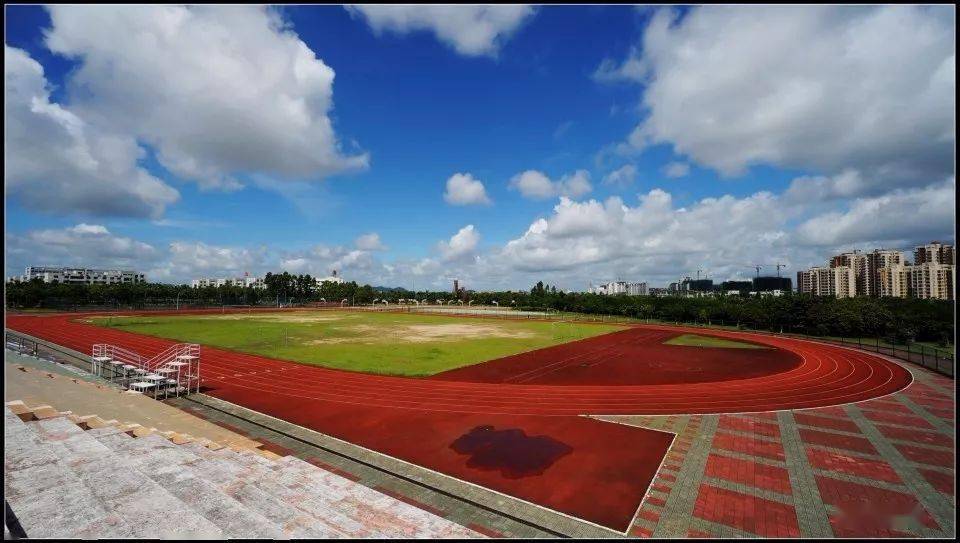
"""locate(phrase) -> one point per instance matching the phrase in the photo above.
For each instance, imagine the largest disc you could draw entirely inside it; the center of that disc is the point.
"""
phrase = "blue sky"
(551, 89)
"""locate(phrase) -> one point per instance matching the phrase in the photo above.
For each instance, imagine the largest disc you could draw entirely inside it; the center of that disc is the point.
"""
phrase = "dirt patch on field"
(422, 333)
(433, 332)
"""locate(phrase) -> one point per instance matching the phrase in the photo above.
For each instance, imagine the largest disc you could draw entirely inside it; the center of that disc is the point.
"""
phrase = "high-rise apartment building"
(881, 259)
(935, 252)
(893, 281)
(885, 272)
(933, 280)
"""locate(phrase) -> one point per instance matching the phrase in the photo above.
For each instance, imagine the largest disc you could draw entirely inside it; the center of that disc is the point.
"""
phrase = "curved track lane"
(828, 375)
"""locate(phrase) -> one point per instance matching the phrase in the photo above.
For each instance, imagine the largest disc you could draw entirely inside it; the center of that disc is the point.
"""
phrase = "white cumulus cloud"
(535, 185)
(821, 88)
(56, 162)
(622, 177)
(369, 242)
(897, 218)
(470, 30)
(461, 245)
(463, 189)
(674, 170)
(84, 244)
(218, 91)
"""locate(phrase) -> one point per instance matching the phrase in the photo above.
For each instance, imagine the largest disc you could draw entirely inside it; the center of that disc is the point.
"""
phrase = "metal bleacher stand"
(174, 371)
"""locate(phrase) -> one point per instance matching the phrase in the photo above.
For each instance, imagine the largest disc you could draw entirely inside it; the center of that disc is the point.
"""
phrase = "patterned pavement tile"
(746, 512)
(871, 511)
(852, 465)
(925, 455)
(766, 477)
(748, 445)
(915, 436)
(838, 441)
(881, 468)
(827, 423)
(741, 424)
(911, 421)
(943, 481)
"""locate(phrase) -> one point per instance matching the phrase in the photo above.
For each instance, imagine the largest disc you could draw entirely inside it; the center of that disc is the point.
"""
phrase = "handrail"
(163, 357)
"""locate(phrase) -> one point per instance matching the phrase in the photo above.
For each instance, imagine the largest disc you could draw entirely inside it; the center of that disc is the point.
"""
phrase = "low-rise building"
(252, 282)
(620, 287)
(335, 278)
(83, 276)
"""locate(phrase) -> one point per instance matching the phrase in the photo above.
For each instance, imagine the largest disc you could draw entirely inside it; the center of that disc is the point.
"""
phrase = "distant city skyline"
(503, 146)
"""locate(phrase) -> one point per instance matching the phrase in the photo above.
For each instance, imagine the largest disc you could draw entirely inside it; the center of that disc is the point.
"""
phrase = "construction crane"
(759, 267)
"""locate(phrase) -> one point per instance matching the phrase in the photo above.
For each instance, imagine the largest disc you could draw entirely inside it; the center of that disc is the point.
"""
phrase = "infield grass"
(370, 342)
(693, 340)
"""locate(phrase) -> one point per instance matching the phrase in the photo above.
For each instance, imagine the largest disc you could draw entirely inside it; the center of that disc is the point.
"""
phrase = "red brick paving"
(943, 481)
(750, 426)
(746, 472)
(653, 500)
(745, 445)
(769, 415)
(916, 436)
(942, 413)
(489, 532)
(862, 467)
(748, 513)
(892, 407)
(647, 514)
(868, 510)
(838, 441)
(894, 418)
(924, 455)
(835, 411)
(826, 422)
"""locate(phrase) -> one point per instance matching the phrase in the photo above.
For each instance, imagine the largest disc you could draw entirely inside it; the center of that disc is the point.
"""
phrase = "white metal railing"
(175, 370)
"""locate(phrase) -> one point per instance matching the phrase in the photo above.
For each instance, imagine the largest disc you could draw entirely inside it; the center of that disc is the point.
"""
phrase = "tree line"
(902, 319)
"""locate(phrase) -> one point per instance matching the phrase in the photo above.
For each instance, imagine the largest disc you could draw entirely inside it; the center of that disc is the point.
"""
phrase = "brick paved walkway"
(880, 468)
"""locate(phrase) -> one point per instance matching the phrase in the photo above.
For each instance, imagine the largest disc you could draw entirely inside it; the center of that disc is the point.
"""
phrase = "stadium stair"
(81, 476)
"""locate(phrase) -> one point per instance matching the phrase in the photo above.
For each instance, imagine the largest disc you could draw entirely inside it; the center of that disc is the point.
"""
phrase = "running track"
(602, 480)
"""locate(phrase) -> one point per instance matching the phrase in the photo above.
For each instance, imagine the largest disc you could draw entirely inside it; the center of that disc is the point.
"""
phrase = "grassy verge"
(693, 340)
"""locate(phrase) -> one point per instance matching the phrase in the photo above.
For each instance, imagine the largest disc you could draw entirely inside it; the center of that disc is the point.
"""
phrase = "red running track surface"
(629, 357)
(582, 467)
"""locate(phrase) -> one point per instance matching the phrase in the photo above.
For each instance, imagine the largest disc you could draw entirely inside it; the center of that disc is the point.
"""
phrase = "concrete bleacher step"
(394, 518)
(222, 472)
(148, 509)
(81, 476)
(56, 484)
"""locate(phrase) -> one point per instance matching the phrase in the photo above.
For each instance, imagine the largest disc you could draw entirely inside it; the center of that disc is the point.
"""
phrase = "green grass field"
(693, 340)
(384, 343)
